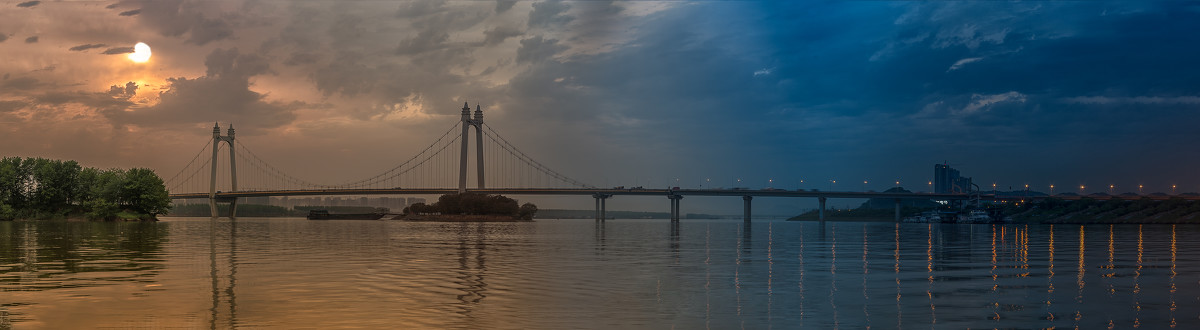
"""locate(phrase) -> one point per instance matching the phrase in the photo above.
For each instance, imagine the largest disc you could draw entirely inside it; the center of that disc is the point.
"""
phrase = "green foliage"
(144, 192)
(101, 209)
(527, 211)
(39, 187)
(472, 204)
(7, 212)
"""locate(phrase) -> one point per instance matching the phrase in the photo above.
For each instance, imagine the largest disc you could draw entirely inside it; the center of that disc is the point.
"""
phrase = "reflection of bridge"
(431, 172)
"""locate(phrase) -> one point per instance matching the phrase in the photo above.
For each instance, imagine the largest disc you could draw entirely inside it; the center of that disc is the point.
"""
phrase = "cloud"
(130, 12)
(12, 105)
(1138, 100)
(223, 94)
(173, 19)
(960, 63)
(504, 5)
(28, 4)
(128, 91)
(549, 14)
(3, 37)
(86, 47)
(30, 40)
(498, 34)
(118, 50)
(21, 83)
(762, 72)
(980, 102)
(537, 49)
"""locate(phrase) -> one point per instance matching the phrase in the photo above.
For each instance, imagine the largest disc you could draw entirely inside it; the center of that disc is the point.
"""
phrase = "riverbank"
(460, 218)
(1087, 211)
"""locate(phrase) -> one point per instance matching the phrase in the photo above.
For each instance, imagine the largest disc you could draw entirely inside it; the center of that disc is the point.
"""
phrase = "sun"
(141, 53)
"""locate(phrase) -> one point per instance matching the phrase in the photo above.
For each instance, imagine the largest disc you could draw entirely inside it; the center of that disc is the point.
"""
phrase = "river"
(563, 274)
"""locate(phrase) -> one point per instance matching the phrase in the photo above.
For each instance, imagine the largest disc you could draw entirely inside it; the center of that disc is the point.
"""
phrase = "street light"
(1081, 189)
(1172, 189)
(1051, 190)
(864, 185)
(1140, 189)
(1110, 189)
(831, 183)
(993, 188)
(770, 183)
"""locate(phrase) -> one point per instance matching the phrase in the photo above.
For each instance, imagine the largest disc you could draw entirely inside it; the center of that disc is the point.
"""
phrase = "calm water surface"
(559, 274)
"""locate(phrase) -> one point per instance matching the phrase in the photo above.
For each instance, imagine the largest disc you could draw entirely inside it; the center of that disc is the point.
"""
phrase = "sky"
(634, 93)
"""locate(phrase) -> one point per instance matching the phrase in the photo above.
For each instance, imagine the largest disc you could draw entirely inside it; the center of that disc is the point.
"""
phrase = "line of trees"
(48, 188)
(475, 204)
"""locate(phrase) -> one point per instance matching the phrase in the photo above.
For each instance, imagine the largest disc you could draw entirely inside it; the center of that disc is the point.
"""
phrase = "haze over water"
(720, 274)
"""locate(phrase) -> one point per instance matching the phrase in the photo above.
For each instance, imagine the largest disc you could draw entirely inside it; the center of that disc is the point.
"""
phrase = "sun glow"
(141, 53)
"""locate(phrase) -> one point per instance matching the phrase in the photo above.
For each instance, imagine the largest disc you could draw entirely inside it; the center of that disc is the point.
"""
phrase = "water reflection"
(616, 274)
(229, 289)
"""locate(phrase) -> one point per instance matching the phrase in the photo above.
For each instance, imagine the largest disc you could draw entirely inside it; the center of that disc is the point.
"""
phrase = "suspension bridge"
(438, 169)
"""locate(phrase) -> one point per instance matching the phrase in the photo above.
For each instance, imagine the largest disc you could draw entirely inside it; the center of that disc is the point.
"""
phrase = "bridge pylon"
(467, 123)
(212, 187)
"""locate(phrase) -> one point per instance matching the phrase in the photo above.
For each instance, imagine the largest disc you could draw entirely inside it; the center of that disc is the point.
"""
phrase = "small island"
(470, 207)
(48, 189)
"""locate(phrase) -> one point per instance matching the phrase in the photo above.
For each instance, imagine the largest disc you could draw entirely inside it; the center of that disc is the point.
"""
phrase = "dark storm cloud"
(424, 41)
(118, 50)
(173, 18)
(3, 37)
(30, 40)
(549, 14)
(537, 49)
(28, 4)
(11, 106)
(130, 12)
(223, 94)
(86, 47)
(111, 6)
(20, 83)
(498, 34)
(504, 5)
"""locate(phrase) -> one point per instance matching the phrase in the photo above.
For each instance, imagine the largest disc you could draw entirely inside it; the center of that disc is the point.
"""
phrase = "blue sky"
(627, 93)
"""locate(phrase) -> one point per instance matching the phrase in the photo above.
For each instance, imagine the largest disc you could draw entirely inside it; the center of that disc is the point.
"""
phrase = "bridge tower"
(467, 123)
(212, 187)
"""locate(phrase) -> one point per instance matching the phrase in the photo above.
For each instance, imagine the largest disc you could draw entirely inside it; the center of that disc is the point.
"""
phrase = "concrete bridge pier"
(601, 200)
(746, 207)
(821, 211)
(897, 210)
(675, 206)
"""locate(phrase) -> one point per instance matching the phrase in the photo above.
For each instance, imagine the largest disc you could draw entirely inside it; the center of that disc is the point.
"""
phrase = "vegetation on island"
(1089, 210)
(39, 188)
(472, 204)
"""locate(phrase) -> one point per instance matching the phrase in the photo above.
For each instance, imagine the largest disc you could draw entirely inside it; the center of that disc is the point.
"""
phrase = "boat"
(976, 216)
(325, 215)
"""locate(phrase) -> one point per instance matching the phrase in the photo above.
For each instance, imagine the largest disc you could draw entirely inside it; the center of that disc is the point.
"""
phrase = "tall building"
(947, 180)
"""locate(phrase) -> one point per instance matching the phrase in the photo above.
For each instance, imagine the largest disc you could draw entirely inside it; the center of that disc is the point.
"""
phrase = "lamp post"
(1111, 188)
(1140, 190)
(1051, 189)
(1081, 187)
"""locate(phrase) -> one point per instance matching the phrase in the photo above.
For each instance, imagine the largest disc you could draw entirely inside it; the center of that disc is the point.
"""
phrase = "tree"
(143, 191)
(528, 210)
